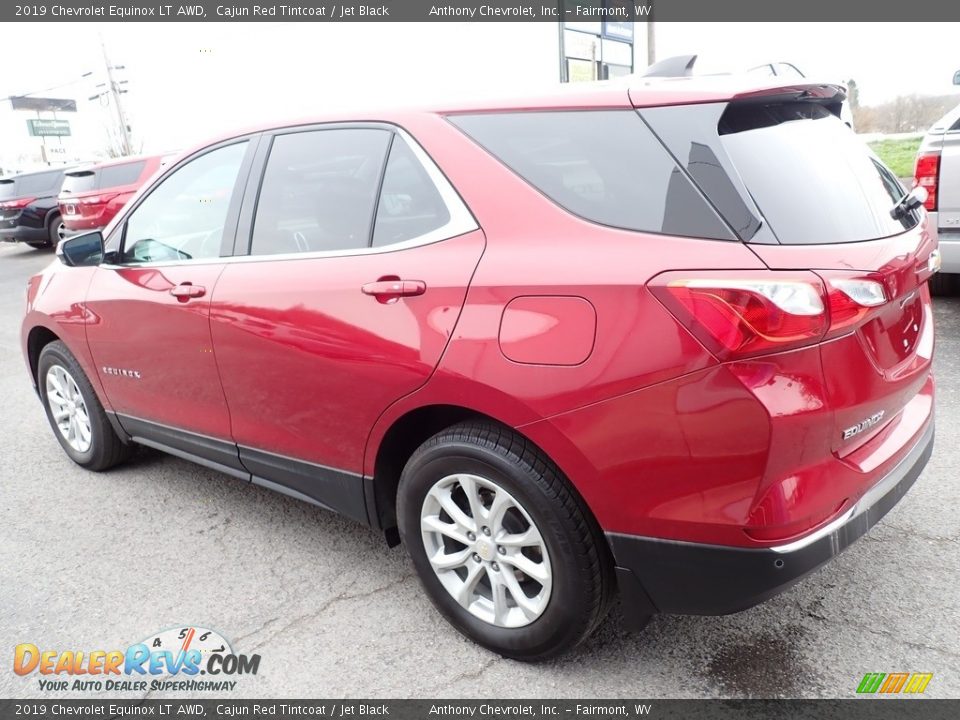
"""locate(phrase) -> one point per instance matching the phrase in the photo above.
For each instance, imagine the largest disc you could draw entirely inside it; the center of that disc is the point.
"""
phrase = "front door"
(150, 333)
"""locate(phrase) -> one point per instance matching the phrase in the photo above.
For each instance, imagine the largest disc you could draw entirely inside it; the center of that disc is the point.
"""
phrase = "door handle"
(185, 291)
(389, 290)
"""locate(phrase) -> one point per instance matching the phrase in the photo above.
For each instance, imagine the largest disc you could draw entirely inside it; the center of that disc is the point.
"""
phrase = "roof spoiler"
(823, 93)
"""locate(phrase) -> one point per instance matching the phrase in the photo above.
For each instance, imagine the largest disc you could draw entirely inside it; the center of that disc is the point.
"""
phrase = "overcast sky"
(190, 81)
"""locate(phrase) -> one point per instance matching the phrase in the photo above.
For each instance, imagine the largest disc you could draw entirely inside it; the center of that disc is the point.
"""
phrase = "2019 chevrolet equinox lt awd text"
(674, 340)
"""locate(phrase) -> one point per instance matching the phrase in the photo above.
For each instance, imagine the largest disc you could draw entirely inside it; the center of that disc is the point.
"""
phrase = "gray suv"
(938, 170)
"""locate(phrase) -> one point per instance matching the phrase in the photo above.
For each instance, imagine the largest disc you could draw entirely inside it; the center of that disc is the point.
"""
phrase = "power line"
(52, 87)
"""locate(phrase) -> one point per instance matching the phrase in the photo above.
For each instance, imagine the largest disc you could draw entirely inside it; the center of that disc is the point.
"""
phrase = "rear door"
(806, 193)
(360, 254)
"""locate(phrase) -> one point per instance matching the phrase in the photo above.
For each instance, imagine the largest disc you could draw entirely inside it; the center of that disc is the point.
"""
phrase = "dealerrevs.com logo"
(184, 659)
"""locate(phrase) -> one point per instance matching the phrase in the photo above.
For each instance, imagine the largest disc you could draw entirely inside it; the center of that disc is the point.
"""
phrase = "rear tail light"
(756, 313)
(97, 199)
(926, 174)
(16, 204)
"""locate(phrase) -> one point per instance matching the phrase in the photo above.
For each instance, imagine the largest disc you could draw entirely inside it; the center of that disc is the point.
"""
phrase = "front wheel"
(503, 546)
(74, 411)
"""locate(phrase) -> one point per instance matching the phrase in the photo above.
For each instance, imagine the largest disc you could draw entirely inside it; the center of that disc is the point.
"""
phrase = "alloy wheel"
(68, 408)
(486, 550)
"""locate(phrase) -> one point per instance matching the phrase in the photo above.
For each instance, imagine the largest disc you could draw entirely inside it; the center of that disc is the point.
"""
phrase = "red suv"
(91, 196)
(674, 340)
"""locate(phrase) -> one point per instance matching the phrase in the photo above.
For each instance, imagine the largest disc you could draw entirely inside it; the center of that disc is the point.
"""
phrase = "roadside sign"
(48, 128)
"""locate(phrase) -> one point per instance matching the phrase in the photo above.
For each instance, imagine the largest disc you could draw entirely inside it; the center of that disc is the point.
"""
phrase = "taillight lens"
(926, 174)
(851, 300)
(16, 204)
(98, 199)
(765, 312)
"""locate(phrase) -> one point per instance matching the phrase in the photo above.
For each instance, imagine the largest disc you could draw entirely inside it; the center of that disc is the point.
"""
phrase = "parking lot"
(101, 561)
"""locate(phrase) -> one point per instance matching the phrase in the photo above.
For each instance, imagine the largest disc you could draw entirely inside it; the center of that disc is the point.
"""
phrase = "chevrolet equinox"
(673, 340)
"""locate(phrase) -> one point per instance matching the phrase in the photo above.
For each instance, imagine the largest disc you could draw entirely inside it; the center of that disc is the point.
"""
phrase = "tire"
(943, 284)
(100, 448)
(39, 245)
(55, 228)
(572, 552)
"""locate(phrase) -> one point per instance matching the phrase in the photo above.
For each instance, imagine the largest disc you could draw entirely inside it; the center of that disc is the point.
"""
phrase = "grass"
(898, 155)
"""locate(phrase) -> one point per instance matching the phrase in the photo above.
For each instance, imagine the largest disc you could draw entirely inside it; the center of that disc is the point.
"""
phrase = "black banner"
(611, 11)
(853, 709)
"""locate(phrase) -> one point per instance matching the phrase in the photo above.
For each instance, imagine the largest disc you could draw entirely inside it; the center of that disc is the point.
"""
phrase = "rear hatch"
(938, 170)
(805, 193)
(19, 191)
(87, 192)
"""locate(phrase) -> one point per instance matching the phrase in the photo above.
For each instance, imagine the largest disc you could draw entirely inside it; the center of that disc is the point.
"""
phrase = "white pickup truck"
(938, 170)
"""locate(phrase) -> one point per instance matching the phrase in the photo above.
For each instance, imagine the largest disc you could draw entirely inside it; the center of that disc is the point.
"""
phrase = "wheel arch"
(37, 339)
(410, 430)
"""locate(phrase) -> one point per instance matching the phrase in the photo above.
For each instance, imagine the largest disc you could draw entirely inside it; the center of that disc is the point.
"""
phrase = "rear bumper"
(949, 251)
(699, 579)
(22, 233)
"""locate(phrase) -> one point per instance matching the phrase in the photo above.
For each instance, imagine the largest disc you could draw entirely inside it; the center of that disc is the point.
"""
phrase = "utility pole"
(651, 43)
(115, 92)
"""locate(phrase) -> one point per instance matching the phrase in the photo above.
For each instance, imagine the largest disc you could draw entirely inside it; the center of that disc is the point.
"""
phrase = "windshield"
(787, 172)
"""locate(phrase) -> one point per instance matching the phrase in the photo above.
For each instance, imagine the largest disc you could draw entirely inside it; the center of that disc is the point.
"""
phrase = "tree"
(853, 94)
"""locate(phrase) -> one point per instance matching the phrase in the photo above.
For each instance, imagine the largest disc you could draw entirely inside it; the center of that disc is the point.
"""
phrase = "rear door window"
(604, 166)
(410, 205)
(39, 184)
(787, 168)
(319, 191)
(119, 175)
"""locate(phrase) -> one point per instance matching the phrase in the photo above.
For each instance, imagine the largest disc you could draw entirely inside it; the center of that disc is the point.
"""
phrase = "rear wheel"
(56, 231)
(502, 545)
(74, 411)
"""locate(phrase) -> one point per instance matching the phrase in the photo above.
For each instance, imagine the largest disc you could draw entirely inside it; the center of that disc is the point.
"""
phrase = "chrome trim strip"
(461, 222)
(866, 501)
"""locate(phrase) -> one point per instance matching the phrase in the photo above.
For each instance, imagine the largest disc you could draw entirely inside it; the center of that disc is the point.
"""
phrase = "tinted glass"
(79, 182)
(410, 205)
(604, 166)
(183, 218)
(319, 191)
(117, 175)
(39, 184)
(813, 180)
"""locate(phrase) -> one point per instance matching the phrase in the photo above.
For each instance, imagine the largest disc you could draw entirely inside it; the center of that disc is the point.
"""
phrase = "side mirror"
(956, 78)
(81, 250)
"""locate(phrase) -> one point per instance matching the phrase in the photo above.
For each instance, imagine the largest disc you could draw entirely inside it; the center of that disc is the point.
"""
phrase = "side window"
(117, 175)
(602, 165)
(319, 191)
(41, 183)
(184, 217)
(410, 205)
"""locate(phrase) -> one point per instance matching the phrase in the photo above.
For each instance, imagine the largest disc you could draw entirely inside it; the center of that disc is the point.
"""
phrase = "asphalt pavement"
(100, 561)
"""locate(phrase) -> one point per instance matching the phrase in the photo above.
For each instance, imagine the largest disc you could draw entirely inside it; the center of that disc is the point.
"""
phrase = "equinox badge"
(863, 425)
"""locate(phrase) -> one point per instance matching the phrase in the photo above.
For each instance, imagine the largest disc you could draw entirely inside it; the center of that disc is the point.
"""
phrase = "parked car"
(548, 344)
(937, 170)
(91, 196)
(28, 208)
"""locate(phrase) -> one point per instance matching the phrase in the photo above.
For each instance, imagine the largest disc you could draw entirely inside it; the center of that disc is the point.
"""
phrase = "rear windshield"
(787, 172)
(78, 182)
(103, 178)
(38, 184)
(602, 165)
